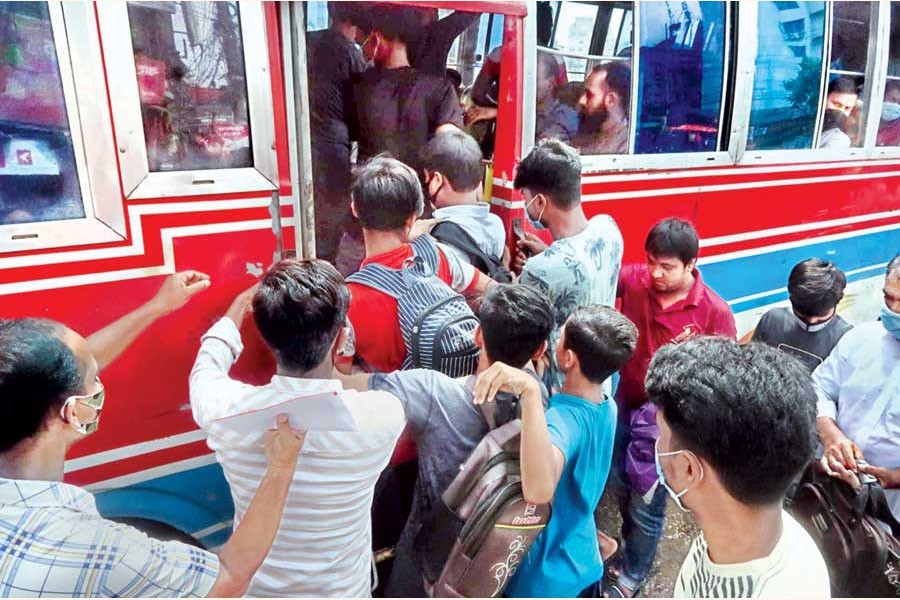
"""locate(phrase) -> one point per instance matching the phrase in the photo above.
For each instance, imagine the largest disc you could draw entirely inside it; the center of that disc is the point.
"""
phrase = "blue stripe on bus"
(745, 276)
(189, 501)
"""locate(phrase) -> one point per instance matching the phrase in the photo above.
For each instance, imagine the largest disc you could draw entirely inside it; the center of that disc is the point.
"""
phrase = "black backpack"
(452, 234)
(436, 323)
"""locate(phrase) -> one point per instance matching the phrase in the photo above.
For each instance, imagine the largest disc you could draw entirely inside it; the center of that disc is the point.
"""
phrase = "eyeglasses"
(94, 402)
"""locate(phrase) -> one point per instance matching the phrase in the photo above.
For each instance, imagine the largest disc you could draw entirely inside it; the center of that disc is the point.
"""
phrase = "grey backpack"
(436, 323)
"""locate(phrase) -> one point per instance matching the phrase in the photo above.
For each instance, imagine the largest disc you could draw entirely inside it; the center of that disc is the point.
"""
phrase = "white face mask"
(890, 111)
(813, 328)
(662, 478)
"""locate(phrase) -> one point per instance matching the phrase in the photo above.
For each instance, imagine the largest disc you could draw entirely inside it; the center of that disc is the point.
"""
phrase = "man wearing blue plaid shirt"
(52, 540)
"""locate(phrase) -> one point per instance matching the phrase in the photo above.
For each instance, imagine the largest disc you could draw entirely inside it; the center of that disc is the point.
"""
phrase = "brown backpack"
(863, 558)
(473, 542)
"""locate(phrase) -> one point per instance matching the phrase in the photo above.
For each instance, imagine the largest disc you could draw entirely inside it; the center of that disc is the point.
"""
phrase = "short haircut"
(673, 238)
(515, 321)
(749, 411)
(395, 21)
(602, 338)
(299, 309)
(343, 11)
(386, 193)
(892, 85)
(618, 78)
(550, 66)
(38, 371)
(457, 156)
(893, 267)
(552, 168)
(815, 287)
(843, 85)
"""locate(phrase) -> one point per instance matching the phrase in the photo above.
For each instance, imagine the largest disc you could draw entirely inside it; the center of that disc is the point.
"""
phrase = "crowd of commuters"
(626, 379)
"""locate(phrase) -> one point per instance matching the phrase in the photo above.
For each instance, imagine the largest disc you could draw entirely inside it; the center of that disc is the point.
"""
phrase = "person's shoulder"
(714, 301)
(775, 316)
(803, 572)
(862, 334)
(374, 409)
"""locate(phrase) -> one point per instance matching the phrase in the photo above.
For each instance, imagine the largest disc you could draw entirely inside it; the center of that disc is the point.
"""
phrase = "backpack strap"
(451, 233)
(381, 278)
(426, 248)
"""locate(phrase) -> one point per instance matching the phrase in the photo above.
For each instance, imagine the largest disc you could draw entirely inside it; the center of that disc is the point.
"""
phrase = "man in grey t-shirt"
(810, 328)
(515, 324)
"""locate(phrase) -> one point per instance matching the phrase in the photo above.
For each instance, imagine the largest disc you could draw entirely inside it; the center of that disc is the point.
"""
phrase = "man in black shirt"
(811, 328)
(429, 52)
(398, 107)
(333, 61)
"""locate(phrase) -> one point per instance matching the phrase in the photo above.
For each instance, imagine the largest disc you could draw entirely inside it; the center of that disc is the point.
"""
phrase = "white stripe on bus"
(108, 456)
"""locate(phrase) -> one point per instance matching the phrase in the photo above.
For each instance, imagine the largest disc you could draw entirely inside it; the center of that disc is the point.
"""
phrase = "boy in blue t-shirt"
(566, 455)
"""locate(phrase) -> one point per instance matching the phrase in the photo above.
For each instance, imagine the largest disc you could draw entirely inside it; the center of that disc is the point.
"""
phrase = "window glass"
(846, 75)
(38, 175)
(190, 69)
(316, 15)
(573, 33)
(682, 64)
(889, 125)
(787, 83)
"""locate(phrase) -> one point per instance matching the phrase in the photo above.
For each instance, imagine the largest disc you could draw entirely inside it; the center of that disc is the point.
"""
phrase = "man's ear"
(337, 349)
(692, 264)
(479, 337)
(353, 209)
(410, 221)
(568, 360)
(539, 353)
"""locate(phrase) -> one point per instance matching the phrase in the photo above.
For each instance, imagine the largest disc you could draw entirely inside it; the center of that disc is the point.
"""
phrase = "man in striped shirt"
(717, 402)
(323, 547)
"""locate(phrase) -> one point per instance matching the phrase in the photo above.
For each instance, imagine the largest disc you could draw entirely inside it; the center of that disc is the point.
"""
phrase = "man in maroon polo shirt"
(669, 303)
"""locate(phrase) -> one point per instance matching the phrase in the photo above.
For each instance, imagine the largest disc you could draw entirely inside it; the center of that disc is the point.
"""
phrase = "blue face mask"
(891, 321)
(662, 478)
(536, 223)
(890, 111)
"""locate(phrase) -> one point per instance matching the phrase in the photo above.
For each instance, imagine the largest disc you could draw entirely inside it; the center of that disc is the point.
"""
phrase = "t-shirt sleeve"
(151, 568)
(416, 389)
(447, 107)
(462, 274)
(564, 432)
(762, 333)
(724, 323)
(627, 277)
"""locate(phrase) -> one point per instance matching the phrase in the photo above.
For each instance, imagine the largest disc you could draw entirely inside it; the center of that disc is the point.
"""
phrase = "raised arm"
(107, 344)
(541, 461)
(248, 546)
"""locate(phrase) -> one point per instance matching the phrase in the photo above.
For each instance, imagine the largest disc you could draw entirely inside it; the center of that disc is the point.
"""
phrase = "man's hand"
(283, 445)
(841, 449)
(503, 378)
(177, 289)
(479, 113)
(531, 244)
(837, 470)
(421, 227)
(241, 306)
(888, 478)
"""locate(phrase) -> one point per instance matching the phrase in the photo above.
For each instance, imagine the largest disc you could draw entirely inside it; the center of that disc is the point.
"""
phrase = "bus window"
(889, 126)
(38, 175)
(682, 63)
(787, 84)
(189, 60)
(846, 75)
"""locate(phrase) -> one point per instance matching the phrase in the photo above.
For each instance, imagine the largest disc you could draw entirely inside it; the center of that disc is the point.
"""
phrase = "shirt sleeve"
(448, 108)
(462, 274)
(212, 392)
(761, 333)
(627, 275)
(724, 323)
(563, 433)
(416, 390)
(827, 380)
(151, 568)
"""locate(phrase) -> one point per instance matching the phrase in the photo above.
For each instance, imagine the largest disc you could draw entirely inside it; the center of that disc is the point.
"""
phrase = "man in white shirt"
(323, 547)
(736, 426)
(581, 267)
(858, 388)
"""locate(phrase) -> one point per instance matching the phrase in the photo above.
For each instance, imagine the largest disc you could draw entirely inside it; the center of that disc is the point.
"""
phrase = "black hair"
(552, 168)
(815, 287)
(843, 85)
(395, 21)
(891, 85)
(893, 267)
(299, 309)
(386, 193)
(454, 77)
(673, 237)
(457, 156)
(618, 78)
(515, 321)
(343, 11)
(38, 371)
(749, 411)
(602, 338)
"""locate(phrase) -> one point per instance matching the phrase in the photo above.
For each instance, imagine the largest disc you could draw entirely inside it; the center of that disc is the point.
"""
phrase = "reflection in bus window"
(190, 69)
(787, 83)
(38, 176)
(682, 64)
(846, 75)
(574, 30)
(889, 127)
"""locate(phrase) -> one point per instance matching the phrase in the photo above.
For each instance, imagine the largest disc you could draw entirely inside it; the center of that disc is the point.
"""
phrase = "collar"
(26, 493)
(478, 209)
(694, 296)
(308, 387)
(397, 255)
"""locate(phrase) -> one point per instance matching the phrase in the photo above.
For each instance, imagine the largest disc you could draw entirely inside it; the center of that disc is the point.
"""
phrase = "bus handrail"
(563, 53)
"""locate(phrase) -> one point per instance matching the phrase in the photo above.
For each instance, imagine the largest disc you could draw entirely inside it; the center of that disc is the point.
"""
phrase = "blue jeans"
(642, 523)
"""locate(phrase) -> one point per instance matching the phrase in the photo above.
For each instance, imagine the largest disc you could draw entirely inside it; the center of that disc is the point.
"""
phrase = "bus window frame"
(876, 71)
(80, 64)
(882, 57)
(593, 163)
(138, 182)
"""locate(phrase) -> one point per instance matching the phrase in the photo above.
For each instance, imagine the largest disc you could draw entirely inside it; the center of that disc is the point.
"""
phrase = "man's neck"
(322, 371)
(449, 199)
(398, 58)
(568, 224)
(379, 242)
(346, 30)
(667, 299)
(578, 385)
(614, 123)
(37, 459)
(736, 533)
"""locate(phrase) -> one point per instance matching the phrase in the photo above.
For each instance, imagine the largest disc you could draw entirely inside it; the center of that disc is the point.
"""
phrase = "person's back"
(323, 547)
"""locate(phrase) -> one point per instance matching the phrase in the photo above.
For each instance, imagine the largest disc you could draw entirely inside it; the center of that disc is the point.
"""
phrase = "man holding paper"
(324, 545)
